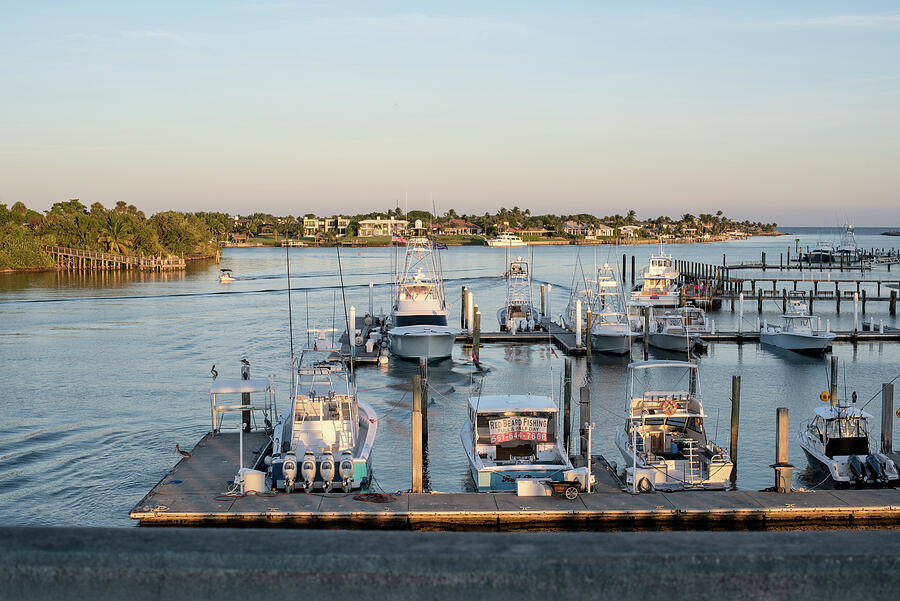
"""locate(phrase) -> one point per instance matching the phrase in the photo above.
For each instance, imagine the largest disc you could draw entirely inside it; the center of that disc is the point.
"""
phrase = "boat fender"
(644, 485)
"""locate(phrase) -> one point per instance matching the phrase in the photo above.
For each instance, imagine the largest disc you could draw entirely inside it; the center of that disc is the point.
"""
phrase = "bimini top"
(512, 402)
(663, 363)
(829, 412)
(235, 386)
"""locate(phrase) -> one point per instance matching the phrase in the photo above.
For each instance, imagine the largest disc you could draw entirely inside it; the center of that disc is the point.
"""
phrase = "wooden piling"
(245, 400)
(646, 333)
(892, 305)
(784, 300)
(735, 422)
(632, 270)
(624, 263)
(863, 302)
(783, 469)
(834, 381)
(887, 418)
(584, 416)
(567, 404)
(811, 295)
(417, 448)
(423, 373)
(543, 300)
(587, 333)
(462, 306)
(476, 335)
(759, 301)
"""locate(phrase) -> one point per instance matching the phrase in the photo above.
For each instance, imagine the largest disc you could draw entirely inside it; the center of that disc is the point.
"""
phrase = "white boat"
(419, 312)
(797, 333)
(664, 441)
(669, 332)
(226, 276)
(324, 440)
(822, 252)
(847, 251)
(611, 330)
(518, 314)
(507, 240)
(659, 285)
(512, 437)
(836, 441)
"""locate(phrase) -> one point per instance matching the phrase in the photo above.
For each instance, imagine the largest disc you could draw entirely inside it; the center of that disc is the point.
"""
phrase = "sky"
(771, 111)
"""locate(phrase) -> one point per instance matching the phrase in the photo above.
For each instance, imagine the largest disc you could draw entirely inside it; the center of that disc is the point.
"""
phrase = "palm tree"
(631, 217)
(115, 237)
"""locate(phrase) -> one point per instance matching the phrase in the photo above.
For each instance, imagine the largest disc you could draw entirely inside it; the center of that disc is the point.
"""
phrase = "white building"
(381, 227)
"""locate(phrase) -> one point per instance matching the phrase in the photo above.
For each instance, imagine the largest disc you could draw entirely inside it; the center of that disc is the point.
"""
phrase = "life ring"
(825, 396)
(669, 407)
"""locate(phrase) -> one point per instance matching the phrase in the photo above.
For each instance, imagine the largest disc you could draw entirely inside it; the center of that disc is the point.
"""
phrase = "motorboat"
(694, 320)
(419, 312)
(670, 332)
(518, 313)
(664, 441)
(837, 442)
(611, 330)
(659, 284)
(797, 334)
(822, 252)
(507, 240)
(324, 439)
(510, 437)
(847, 251)
(225, 275)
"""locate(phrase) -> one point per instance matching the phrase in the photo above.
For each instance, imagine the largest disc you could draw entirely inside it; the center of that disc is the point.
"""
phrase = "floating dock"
(193, 493)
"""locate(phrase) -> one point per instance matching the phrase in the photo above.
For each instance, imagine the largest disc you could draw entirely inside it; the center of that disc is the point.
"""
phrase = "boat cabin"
(841, 430)
(515, 429)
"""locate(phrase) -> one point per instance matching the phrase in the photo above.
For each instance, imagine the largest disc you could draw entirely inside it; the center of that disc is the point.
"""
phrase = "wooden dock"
(193, 493)
(74, 259)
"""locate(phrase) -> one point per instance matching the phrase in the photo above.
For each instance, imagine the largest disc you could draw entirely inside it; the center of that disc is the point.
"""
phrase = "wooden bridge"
(75, 259)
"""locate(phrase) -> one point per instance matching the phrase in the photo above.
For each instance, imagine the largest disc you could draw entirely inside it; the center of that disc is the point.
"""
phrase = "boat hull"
(800, 343)
(431, 342)
(505, 243)
(718, 473)
(673, 342)
(614, 344)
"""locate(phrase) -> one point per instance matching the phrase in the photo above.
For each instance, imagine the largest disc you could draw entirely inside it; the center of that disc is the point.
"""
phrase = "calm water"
(106, 373)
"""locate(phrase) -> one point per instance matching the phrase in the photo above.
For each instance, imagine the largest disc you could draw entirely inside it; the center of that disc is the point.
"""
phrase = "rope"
(391, 409)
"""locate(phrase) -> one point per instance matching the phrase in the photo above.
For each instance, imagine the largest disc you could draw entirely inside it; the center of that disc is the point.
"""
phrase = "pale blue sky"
(769, 111)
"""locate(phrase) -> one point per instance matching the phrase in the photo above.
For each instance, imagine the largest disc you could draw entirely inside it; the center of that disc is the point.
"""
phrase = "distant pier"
(75, 259)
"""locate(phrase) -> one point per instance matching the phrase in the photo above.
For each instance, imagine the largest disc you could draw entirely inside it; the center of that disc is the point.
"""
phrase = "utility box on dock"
(533, 488)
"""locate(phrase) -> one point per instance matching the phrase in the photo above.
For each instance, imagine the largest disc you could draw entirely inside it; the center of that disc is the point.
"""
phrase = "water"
(106, 373)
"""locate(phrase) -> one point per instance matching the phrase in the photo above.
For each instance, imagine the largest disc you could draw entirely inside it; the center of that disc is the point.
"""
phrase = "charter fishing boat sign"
(518, 427)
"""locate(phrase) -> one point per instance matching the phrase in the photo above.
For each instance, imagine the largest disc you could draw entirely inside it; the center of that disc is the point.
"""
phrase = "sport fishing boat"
(419, 312)
(670, 332)
(847, 251)
(822, 252)
(519, 313)
(611, 330)
(508, 240)
(226, 276)
(659, 282)
(836, 441)
(512, 437)
(324, 440)
(797, 333)
(664, 441)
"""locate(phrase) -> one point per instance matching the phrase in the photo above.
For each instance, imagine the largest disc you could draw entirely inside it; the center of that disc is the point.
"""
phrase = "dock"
(193, 493)
(74, 259)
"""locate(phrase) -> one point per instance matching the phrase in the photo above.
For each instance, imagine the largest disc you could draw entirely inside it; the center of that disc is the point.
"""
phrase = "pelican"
(181, 452)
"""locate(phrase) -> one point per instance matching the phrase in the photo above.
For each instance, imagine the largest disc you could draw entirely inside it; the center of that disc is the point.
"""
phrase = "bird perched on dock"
(245, 362)
(181, 452)
(214, 373)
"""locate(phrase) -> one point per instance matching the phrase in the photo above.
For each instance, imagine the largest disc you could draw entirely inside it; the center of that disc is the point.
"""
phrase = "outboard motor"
(875, 468)
(289, 469)
(326, 470)
(308, 470)
(857, 469)
(345, 469)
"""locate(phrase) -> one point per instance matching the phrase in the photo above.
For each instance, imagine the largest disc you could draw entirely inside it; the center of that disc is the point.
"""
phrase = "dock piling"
(587, 333)
(470, 311)
(646, 333)
(584, 416)
(887, 418)
(834, 381)
(632, 270)
(371, 299)
(549, 296)
(892, 306)
(462, 309)
(423, 373)
(567, 404)
(476, 335)
(543, 301)
(578, 323)
(245, 396)
(784, 471)
(735, 423)
(417, 451)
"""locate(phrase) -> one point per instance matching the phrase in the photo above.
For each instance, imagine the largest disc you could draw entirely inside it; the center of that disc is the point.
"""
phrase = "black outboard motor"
(876, 469)
(857, 469)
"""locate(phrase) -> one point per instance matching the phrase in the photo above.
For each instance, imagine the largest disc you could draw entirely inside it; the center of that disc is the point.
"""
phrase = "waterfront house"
(629, 231)
(314, 225)
(381, 227)
(460, 227)
(576, 228)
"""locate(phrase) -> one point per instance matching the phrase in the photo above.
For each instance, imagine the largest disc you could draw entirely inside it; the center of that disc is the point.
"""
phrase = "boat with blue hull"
(508, 438)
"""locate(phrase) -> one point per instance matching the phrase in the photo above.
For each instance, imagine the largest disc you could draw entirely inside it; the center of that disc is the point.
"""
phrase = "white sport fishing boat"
(659, 285)
(664, 441)
(670, 332)
(324, 440)
(419, 312)
(611, 330)
(847, 251)
(519, 313)
(507, 240)
(836, 441)
(512, 437)
(797, 333)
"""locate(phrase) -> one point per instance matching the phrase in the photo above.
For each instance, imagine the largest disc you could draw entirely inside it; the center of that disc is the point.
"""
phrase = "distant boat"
(797, 333)
(226, 276)
(670, 332)
(891, 233)
(419, 313)
(659, 285)
(505, 240)
(610, 329)
(519, 313)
